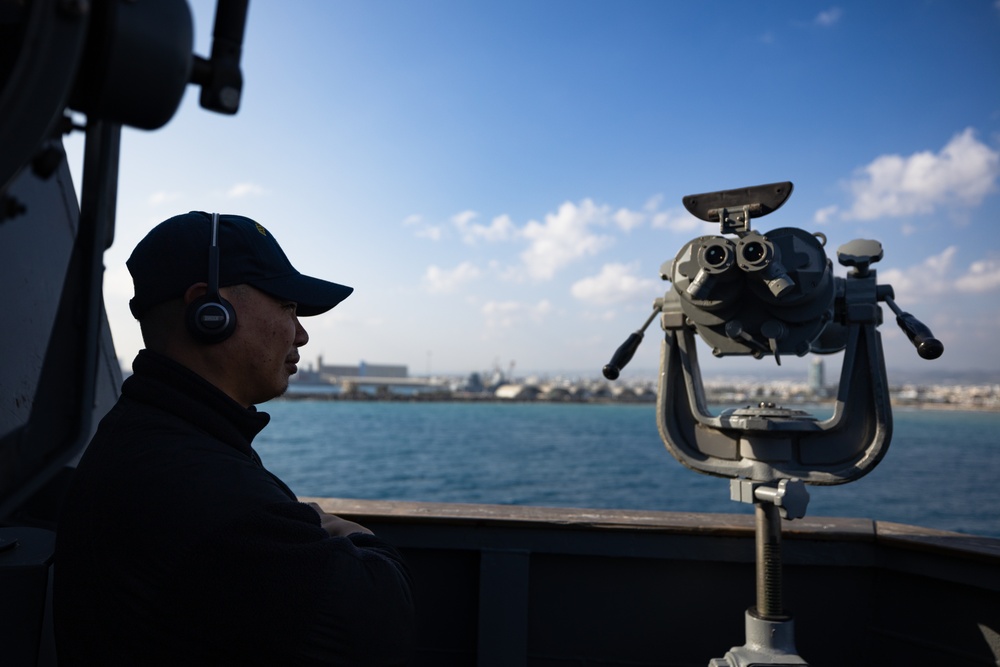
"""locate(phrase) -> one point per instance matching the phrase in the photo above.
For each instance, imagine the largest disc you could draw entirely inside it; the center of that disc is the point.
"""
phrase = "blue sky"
(501, 180)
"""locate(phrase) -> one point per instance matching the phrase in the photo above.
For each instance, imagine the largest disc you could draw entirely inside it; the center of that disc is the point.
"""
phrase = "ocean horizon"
(940, 469)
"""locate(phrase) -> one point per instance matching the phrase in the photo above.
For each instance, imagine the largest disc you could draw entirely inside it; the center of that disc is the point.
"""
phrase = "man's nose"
(301, 335)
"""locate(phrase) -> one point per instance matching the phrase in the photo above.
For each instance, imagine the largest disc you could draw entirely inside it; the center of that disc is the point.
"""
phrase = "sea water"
(941, 470)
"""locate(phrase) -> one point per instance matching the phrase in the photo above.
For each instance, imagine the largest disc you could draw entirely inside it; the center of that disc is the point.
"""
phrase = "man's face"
(264, 349)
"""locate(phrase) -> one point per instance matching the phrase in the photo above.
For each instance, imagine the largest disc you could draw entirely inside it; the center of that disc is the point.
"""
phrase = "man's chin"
(278, 390)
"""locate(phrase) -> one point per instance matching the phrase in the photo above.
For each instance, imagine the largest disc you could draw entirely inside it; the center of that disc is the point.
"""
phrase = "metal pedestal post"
(770, 634)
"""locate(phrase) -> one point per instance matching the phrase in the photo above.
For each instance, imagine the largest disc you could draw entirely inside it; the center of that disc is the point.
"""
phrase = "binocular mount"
(767, 295)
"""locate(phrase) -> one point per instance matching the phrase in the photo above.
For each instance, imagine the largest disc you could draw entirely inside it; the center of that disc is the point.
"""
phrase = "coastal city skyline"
(732, 392)
(391, 381)
(501, 181)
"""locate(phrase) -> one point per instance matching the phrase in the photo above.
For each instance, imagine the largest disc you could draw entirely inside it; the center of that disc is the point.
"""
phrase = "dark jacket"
(176, 546)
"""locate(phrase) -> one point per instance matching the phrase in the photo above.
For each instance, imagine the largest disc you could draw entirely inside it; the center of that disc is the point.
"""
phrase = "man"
(176, 545)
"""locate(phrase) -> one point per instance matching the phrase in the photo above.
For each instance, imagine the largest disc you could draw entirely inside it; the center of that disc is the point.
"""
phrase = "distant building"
(817, 380)
(340, 371)
(335, 373)
(475, 383)
(518, 392)
(367, 370)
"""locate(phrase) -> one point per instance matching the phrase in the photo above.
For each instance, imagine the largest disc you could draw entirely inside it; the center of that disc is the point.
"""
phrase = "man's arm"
(336, 526)
(291, 591)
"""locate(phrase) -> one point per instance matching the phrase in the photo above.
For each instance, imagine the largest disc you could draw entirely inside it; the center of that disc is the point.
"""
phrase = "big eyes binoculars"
(770, 294)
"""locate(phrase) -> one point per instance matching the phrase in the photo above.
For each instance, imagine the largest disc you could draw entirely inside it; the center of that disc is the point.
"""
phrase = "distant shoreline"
(947, 407)
(442, 397)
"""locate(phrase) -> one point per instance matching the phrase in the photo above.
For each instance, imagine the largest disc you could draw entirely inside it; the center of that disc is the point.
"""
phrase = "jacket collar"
(162, 382)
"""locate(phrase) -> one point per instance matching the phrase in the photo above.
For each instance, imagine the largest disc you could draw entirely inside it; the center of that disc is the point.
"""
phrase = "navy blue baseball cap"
(174, 255)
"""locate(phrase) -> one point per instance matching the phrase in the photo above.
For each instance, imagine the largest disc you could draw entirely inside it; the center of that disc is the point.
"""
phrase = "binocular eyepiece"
(717, 256)
(743, 299)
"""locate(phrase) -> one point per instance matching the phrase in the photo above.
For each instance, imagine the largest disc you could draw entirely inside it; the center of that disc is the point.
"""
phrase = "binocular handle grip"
(622, 355)
(928, 347)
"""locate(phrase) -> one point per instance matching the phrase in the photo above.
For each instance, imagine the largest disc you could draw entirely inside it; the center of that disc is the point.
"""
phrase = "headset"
(210, 318)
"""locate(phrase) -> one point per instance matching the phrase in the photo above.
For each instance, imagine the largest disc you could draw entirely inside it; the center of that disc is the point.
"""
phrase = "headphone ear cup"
(211, 320)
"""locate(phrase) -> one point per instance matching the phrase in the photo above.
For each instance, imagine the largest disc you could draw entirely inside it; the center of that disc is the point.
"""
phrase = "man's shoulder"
(141, 450)
(137, 433)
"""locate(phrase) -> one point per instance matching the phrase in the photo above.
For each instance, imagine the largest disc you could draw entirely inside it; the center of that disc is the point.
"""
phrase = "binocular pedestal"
(770, 634)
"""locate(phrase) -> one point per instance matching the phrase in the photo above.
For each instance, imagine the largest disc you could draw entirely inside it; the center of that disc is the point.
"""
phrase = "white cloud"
(982, 276)
(935, 279)
(616, 283)
(654, 202)
(439, 281)
(825, 214)
(830, 17)
(961, 174)
(429, 232)
(628, 220)
(565, 236)
(572, 232)
(241, 190)
(464, 218)
(930, 277)
(677, 220)
(506, 314)
(501, 228)
(423, 231)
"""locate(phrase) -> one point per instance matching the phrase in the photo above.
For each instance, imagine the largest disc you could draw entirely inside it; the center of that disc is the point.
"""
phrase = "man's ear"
(196, 291)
